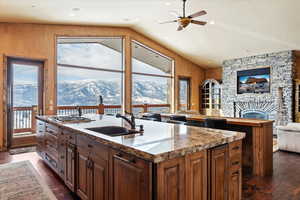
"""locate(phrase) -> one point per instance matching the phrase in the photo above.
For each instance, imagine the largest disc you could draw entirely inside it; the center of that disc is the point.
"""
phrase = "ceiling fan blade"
(167, 22)
(197, 14)
(179, 28)
(198, 22)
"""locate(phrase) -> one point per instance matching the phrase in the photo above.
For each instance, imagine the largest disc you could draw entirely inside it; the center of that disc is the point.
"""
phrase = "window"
(184, 93)
(152, 77)
(88, 68)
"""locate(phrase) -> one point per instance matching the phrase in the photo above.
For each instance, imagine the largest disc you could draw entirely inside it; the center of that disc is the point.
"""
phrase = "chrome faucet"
(130, 121)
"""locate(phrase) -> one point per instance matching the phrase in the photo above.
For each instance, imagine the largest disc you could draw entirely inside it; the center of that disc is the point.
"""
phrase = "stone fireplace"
(254, 109)
(264, 105)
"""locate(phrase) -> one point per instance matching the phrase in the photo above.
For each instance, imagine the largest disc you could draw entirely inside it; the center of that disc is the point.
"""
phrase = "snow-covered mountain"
(87, 92)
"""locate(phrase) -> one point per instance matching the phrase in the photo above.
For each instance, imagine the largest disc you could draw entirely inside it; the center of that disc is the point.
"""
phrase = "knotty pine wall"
(37, 41)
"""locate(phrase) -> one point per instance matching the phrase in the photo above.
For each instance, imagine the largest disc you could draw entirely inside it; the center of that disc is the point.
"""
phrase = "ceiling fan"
(184, 21)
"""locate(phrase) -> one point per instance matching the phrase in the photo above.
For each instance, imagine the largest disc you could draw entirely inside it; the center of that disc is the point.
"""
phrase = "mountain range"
(87, 92)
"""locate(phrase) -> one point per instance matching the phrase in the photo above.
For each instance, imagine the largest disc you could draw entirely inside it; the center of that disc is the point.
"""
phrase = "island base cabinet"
(171, 180)
(196, 176)
(83, 174)
(235, 190)
(95, 171)
(92, 173)
(70, 166)
(131, 177)
(219, 176)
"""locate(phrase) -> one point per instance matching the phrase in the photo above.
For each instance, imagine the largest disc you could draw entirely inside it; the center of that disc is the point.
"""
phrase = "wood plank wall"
(214, 73)
(37, 41)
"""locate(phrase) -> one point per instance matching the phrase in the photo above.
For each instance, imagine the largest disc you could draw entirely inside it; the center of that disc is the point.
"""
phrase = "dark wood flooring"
(283, 185)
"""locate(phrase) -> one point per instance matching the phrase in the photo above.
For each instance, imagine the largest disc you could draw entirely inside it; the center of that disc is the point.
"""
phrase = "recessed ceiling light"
(212, 22)
(75, 9)
(168, 3)
(71, 14)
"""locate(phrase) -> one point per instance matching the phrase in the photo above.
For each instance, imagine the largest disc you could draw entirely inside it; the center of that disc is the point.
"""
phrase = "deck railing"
(24, 117)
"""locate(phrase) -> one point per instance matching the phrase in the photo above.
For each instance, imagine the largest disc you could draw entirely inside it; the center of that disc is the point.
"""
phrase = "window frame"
(171, 76)
(122, 71)
(188, 79)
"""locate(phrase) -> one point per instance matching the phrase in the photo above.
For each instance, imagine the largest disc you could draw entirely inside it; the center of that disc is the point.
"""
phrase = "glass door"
(25, 100)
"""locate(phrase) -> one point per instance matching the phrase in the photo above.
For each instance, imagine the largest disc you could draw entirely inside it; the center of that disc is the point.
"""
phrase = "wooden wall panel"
(297, 66)
(37, 41)
(214, 73)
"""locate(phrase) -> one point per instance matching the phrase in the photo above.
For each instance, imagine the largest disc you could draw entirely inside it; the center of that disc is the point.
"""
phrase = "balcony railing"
(24, 117)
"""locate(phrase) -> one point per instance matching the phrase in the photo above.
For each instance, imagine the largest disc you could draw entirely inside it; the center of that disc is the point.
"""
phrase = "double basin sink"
(113, 130)
(106, 130)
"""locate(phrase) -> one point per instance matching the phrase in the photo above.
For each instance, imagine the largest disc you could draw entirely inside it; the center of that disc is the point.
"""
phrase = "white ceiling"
(241, 27)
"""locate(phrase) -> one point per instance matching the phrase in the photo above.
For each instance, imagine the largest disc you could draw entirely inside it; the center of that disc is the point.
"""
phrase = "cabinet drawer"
(235, 148)
(40, 125)
(69, 136)
(235, 162)
(52, 129)
(51, 162)
(52, 140)
(90, 145)
(50, 149)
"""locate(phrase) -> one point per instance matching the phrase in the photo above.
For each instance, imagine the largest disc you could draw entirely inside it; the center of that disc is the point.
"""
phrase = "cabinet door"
(219, 169)
(99, 179)
(196, 176)
(171, 180)
(83, 174)
(131, 178)
(70, 166)
(235, 185)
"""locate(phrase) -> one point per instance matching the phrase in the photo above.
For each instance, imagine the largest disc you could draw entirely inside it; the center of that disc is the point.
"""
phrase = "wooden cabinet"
(196, 176)
(95, 171)
(70, 166)
(131, 177)
(219, 170)
(235, 171)
(40, 136)
(171, 179)
(99, 179)
(83, 173)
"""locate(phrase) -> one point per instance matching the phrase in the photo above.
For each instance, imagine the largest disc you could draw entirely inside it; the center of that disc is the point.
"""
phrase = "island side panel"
(263, 150)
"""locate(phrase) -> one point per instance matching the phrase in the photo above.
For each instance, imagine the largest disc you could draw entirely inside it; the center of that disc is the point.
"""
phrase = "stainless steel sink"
(113, 130)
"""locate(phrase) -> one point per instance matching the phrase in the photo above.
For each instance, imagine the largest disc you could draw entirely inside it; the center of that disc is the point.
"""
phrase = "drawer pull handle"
(90, 146)
(236, 148)
(236, 163)
(235, 173)
(119, 156)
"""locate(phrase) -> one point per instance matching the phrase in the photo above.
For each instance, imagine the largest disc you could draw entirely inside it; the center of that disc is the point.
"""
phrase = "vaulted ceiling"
(236, 28)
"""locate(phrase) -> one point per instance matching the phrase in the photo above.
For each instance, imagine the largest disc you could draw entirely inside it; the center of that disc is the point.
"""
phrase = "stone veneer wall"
(281, 64)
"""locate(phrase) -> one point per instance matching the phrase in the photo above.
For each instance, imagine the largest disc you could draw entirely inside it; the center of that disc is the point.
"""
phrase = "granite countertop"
(230, 120)
(160, 141)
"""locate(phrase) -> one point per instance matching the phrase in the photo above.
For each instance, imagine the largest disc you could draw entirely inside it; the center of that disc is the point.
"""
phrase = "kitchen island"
(164, 162)
(257, 145)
